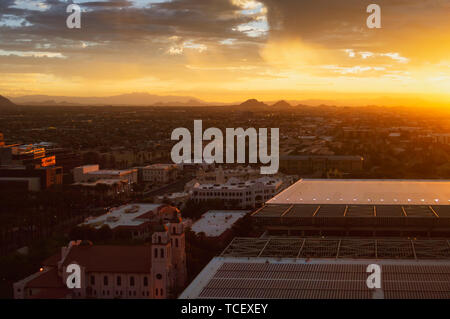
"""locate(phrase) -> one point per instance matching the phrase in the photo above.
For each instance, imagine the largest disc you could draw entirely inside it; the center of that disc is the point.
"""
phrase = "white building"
(215, 223)
(220, 175)
(92, 173)
(236, 193)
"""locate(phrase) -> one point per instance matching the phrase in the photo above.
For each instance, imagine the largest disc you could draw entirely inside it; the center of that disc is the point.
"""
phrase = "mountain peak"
(4, 102)
(253, 103)
(281, 104)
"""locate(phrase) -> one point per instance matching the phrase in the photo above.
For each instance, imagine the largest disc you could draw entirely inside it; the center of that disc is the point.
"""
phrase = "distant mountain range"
(132, 99)
(146, 99)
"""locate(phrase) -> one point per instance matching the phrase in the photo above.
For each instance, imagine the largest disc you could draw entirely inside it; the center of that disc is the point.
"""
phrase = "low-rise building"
(104, 188)
(92, 173)
(30, 179)
(158, 173)
(239, 194)
(219, 175)
(176, 199)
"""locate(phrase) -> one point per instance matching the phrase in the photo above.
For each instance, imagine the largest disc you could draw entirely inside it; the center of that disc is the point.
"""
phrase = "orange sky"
(230, 50)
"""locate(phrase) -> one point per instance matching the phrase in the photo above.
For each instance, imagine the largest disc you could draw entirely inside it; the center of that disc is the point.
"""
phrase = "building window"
(156, 292)
(92, 280)
(132, 281)
(105, 280)
(119, 281)
(158, 276)
(162, 293)
(156, 253)
(176, 242)
(162, 253)
(145, 281)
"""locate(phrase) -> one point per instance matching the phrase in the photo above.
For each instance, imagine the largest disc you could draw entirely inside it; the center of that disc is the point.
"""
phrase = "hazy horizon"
(225, 51)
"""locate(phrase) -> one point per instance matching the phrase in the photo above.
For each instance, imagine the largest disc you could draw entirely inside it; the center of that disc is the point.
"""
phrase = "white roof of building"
(109, 172)
(102, 181)
(235, 183)
(122, 216)
(379, 192)
(215, 222)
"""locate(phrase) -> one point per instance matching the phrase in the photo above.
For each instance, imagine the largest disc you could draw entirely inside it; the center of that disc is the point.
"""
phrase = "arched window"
(162, 252)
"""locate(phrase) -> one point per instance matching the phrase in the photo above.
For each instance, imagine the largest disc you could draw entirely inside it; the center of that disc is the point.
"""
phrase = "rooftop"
(311, 268)
(128, 215)
(111, 259)
(366, 192)
(103, 181)
(215, 222)
(109, 172)
(235, 183)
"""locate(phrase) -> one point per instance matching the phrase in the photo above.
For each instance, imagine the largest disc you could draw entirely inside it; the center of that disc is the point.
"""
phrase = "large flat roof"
(316, 268)
(365, 192)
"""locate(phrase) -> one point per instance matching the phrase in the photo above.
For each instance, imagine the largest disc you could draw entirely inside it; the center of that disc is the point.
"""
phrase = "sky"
(229, 50)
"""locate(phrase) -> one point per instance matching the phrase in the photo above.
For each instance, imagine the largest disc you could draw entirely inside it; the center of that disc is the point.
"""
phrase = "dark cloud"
(340, 23)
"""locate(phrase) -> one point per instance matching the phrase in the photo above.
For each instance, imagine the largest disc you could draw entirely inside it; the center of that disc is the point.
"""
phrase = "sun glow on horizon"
(233, 50)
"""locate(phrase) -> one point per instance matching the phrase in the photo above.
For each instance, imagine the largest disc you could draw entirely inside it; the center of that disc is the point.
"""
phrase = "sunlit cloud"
(33, 54)
(226, 50)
